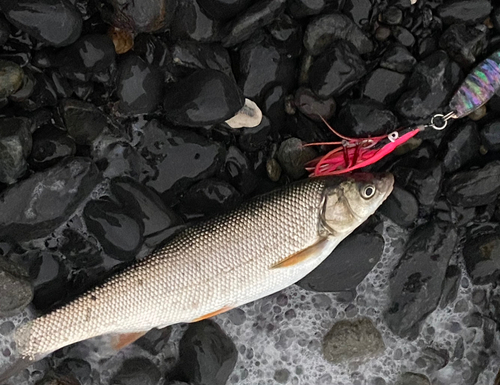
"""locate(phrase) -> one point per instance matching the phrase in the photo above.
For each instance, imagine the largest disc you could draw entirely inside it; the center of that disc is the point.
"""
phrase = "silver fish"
(264, 246)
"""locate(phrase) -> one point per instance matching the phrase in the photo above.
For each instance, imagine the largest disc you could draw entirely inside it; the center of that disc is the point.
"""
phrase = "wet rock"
(16, 291)
(207, 355)
(384, 86)
(84, 121)
(287, 33)
(137, 371)
(417, 280)
(203, 98)
(119, 234)
(191, 22)
(138, 16)
(90, 58)
(155, 340)
(432, 82)
(257, 16)
(144, 204)
(79, 369)
(303, 8)
(55, 22)
(403, 36)
(273, 170)
(392, 15)
(293, 156)
(352, 341)
(464, 11)
(312, 106)
(15, 146)
(116, 157)
(475, 187)
(50, 280)
(461, 147)
(178, 158)
(490, 136)
(192, 55)
(238, 171)
(409, 378)
(27, 88)
(401, 207)
(50, 145)
(364, 118)
(398, 58)
(11, 78)
(450, 286)
(78, 250)
(210, 196)
(464, 43)
(482, 258)
(323, 30)
(138, 86)
(255, 138)
(224, 9)
(42, 95)
(347, 265)
(262, 65)
(336, 70)
(358, 10)
(4, 31)
(36, 206)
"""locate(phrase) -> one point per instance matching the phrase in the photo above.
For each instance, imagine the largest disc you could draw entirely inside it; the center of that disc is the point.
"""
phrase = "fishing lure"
(354, 153)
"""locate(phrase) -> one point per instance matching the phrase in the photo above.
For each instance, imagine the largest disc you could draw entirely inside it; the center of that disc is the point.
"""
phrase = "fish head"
(350, 200)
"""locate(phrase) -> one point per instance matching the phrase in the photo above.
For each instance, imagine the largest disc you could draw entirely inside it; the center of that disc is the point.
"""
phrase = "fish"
(265, 245)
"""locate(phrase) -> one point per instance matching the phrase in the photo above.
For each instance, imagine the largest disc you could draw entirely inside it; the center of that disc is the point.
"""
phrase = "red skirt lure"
(354, 153)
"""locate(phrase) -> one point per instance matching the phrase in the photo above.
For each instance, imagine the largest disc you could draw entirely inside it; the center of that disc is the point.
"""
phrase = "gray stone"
(16, 291)
(409, 378)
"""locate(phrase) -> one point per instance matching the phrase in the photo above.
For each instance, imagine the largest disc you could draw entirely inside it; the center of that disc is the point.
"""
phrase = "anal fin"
(212, 314)
(303, 255)
(119, 341)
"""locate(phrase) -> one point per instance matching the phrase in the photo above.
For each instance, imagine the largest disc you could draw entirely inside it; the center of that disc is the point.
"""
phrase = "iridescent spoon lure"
(354, 153)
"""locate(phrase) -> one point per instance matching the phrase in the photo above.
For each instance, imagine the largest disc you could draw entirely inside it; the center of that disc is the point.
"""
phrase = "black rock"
(224, 9)
(4, 31)
(403, 36)
(357, 10)
(450, 286)
(237, 170)
(312, 106)
(254, 138)
(191, 22)
(464, 43)
(138, 16)
(207, 355)
(461, 146)
(36, 206)
(416, 282)
(336, 70)
(77, 368)
(119, 234)
(15, 146)
(84, 121)
(78, 250)
(155, 340)
(347, 265)
(260, 14)
(432, 82)
(287, 33)
(144, 204)
(323, 30)
(490, 136)
(43, 93)
(303, 8)
(189, 55)
(135, 371)
(50, 145)
(262, 65)
(117, 157)
(203, 98)
(11, 78)
(401, 207)
(384, 86)
(464, 11)
(495, 18)
(55, 22)
(138, 86)
(90, 58)
(177, 158)
(16, 291)
(209, 196)
(293, 156)
(398, 58)
(475, 187)
(392, 15)
(482, 258)
(50, 280)
(363, 118)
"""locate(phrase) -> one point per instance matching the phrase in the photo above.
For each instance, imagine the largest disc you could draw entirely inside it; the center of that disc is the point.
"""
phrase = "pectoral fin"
(212, 314)
(119, 341)
(303, 255)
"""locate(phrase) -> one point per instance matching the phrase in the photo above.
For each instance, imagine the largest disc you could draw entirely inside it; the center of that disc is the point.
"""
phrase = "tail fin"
(20, 364)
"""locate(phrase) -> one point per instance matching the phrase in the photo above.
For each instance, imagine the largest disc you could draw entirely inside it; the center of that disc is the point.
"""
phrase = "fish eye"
(368, 191)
